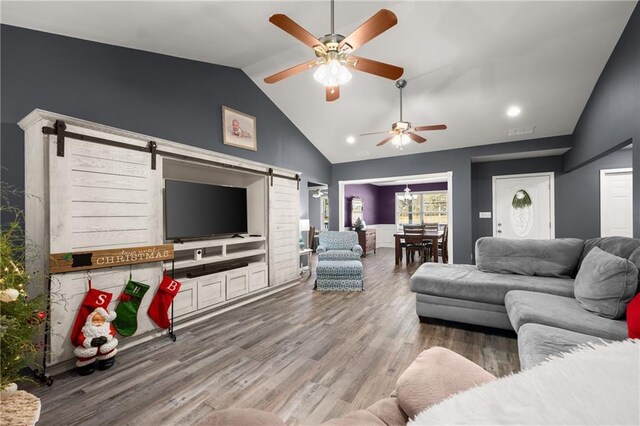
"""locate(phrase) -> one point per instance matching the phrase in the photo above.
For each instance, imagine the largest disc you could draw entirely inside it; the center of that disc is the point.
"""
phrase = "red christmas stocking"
(162, 300)
(92, 300)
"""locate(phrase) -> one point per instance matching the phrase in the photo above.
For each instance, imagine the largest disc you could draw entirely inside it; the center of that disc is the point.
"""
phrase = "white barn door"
(101, 197)
(284, 231)
(523, 206)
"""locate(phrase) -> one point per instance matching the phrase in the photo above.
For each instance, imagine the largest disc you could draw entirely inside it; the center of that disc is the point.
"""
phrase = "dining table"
(432, 236)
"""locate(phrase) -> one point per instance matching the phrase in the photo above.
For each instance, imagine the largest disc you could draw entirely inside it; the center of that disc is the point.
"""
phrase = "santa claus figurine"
(96, 342)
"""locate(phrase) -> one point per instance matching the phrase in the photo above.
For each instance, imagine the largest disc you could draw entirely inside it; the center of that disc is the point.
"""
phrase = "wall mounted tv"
(198, 210)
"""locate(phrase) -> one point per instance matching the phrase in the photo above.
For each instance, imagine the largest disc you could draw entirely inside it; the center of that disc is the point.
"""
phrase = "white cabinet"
(211, 290)
(186, 301)
(257, 276)
(237, 282)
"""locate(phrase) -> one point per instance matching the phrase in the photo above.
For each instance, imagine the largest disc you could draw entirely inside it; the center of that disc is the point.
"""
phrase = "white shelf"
(183, 264)
(193, 245)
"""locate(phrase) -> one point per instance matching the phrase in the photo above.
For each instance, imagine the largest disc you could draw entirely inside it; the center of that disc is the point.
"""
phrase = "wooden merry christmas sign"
(96, 259)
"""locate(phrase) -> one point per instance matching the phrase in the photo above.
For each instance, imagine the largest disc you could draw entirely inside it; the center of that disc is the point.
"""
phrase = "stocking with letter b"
(162, 300)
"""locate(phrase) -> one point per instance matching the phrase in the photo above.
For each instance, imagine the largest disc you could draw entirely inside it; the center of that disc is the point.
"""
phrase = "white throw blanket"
(592, 385)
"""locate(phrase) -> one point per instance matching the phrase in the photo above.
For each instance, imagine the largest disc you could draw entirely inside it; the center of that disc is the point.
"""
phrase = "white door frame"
(552, 201)
(446, 176)
(603, 173)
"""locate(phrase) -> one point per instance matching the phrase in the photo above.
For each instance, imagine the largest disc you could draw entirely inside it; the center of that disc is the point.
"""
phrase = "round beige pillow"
(436, 374)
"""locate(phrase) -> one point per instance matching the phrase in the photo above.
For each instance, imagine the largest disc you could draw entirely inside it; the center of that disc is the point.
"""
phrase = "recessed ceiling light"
(351, 139)
(513, 111)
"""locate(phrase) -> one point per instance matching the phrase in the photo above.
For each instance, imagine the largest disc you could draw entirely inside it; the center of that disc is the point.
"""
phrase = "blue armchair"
(338, 245)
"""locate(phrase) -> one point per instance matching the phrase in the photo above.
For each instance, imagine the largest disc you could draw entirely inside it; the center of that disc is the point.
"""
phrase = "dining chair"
(430, 227)
(443, 245)
(413, 240)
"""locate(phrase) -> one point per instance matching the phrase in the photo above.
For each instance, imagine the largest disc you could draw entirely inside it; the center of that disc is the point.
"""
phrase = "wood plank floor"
(304, 355)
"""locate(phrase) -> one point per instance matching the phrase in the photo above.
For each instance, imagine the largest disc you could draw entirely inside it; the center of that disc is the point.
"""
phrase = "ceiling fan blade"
(373, 27)
(290, 71)
(290, 26)
(374, 133)
(332, 93)
(370, 66)
(385, 140)
(433, 127)
(416, 138)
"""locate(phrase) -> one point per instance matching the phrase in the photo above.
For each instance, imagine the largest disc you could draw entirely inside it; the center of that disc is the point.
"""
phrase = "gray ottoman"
(339, 275)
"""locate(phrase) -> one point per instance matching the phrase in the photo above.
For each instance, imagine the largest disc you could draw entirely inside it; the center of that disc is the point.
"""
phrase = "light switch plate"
(485, 215)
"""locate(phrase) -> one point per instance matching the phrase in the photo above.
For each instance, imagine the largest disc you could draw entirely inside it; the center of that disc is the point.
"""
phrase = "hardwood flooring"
(304, 355)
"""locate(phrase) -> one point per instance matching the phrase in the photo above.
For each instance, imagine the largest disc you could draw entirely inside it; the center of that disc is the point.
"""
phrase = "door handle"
(499, 224)
(499, 231)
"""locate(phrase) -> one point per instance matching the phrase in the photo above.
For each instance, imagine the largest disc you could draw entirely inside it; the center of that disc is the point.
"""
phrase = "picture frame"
(239, 129)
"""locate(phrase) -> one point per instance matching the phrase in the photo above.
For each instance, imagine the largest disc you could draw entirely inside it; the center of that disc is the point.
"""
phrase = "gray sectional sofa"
(528, 286)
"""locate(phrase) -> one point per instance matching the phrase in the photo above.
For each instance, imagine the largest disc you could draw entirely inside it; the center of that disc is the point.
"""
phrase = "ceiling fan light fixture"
(407, 193)
(400, 140)
(332, 74)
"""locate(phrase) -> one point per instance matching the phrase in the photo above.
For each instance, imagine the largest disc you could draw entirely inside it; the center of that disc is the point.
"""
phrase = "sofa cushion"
(563, 312)
(360, 418)
(388, 410)
(437, 374)
(537, 342)
(624, 247)
(544, 258)
(605, 284)
(468, 283)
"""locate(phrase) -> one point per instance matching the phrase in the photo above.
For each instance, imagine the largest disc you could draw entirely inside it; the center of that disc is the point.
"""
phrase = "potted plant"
(358, 225)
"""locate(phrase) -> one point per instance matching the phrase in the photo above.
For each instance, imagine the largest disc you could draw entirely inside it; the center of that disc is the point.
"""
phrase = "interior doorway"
(318, 211)
(523, 206)
(616, 202)
(386, 205)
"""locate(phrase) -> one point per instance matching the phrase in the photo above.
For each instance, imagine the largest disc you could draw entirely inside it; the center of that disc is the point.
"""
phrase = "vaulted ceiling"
(465, 62)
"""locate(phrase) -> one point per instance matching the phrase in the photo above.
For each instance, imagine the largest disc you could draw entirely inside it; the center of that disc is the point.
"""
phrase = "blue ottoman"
(339, 275)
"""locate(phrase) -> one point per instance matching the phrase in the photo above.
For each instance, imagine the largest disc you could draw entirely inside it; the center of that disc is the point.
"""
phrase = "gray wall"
(611, 117)
(577, 193)
(457, 161)
(158, 95)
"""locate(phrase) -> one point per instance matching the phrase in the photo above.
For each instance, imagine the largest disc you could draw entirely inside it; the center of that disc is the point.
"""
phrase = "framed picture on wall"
(238, 129)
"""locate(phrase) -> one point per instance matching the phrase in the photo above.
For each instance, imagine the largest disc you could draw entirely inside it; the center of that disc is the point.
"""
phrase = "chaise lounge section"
(527, 286)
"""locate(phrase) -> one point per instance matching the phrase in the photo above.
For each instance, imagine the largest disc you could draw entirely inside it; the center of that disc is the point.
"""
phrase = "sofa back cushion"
(624, 247)
(605, 283)
(544, 258)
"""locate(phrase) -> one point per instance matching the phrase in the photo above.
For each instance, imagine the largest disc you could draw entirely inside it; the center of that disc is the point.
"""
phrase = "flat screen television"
(198, 210)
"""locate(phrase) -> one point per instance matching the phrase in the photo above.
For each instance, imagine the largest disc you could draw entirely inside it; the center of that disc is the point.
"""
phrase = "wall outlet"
(485, 215)
(197, 254)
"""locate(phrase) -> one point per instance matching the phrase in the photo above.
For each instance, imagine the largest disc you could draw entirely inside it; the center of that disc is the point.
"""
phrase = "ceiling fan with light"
(401, 131)
(334, 52)
(319, 193)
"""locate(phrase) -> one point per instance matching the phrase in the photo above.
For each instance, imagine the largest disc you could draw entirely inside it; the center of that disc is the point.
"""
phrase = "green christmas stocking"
(129, 301)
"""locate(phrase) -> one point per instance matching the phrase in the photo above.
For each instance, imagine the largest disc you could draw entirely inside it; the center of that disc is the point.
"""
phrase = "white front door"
(523, 206)
(616, 203)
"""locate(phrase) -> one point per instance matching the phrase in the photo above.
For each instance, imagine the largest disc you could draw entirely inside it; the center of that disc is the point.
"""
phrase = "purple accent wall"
(369, 194)
(379, 201)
